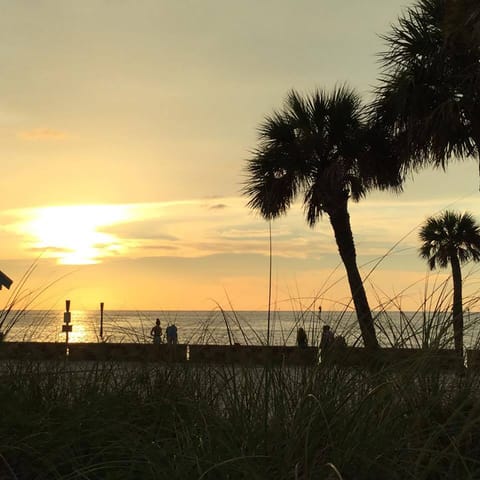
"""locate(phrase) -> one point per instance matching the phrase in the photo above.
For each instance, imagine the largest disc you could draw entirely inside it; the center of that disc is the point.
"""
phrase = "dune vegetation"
(111, 421)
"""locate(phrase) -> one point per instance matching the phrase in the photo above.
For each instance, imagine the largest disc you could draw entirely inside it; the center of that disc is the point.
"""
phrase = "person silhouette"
(302, 340)
(156, 332)
(174, 334)
(327, 337)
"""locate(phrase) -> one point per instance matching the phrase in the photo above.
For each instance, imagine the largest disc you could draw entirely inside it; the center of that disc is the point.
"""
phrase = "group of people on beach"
(171, 333)
(327, 339)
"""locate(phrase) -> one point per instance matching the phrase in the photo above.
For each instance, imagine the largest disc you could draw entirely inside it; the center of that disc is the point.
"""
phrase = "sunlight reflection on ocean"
(206, 327)
(216, 327)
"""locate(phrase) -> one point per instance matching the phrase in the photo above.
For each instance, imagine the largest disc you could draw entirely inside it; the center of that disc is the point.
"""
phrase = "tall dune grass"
(21, 299)
(102, 421)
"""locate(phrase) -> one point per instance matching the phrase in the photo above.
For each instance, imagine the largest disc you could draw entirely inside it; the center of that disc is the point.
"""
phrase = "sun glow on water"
(79, 333)
(73, 234)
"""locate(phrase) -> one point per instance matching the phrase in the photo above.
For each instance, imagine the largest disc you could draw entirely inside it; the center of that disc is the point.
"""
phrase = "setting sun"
(72, 234)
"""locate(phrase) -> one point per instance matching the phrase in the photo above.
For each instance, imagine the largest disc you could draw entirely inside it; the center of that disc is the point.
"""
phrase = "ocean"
(407, 329)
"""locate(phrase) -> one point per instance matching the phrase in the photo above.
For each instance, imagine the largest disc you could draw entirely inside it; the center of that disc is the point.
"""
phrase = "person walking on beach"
(172, 334)
(327, 337)
(168, 334)
(156, 332)
(302, 340)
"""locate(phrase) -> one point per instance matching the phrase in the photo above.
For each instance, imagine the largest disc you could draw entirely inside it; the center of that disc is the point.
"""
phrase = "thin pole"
(319, 320)
(101, 320)
(269, 281)
(67, 322)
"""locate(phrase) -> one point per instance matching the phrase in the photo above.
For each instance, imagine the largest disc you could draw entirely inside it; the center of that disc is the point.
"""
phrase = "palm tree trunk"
(457, 304)
(340, 221)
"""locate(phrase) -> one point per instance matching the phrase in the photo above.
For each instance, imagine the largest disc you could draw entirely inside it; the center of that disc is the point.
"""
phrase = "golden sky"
(125, 127)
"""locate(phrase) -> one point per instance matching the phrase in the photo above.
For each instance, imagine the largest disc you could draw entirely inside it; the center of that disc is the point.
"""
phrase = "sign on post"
(67, 318)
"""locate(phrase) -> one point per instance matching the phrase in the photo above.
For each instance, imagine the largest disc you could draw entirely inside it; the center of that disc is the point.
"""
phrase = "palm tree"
(451, 238)
(321, 147)
(463, 21)
(429, 93)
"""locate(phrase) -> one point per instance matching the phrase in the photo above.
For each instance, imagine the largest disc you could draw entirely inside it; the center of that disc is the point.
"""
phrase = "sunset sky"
(125, 127)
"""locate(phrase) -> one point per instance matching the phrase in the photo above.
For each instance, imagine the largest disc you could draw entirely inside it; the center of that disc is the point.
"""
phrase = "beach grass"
(64, 420)
(139, 420)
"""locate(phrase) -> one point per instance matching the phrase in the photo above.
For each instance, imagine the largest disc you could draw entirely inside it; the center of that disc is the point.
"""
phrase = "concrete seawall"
(237, 354)
(241, 354)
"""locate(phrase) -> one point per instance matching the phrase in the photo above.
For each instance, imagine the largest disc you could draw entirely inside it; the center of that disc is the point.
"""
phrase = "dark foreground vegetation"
(141, 421)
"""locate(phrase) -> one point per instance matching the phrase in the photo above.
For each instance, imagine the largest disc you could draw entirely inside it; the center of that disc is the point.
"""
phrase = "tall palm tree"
(463, 21)
(451, 238)
(429, 92)
(321, 147)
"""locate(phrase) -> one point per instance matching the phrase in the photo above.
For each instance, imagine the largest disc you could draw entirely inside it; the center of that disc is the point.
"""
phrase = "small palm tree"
(322, 147)
(451, 238)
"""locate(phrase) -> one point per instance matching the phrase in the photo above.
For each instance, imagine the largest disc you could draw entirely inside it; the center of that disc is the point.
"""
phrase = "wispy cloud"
(204, 227)
(218, 206)
(37, 134)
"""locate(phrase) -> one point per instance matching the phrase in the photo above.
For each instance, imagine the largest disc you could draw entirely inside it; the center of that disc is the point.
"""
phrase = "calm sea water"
(244, 327)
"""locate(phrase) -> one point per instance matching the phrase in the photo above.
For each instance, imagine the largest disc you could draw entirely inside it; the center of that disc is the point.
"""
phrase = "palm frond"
(429, 90)
(317, 146)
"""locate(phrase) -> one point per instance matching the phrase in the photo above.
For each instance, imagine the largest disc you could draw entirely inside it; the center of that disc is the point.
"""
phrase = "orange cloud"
(42, 134)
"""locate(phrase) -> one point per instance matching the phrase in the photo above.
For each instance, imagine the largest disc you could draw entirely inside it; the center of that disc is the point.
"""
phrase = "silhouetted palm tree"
(429, 93)
(321, 147)
(463, 21)
(451, 238)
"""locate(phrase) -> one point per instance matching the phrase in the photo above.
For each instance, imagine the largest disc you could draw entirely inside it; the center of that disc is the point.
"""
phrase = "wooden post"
(66, 319)
(101, 320)
(66, 327)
